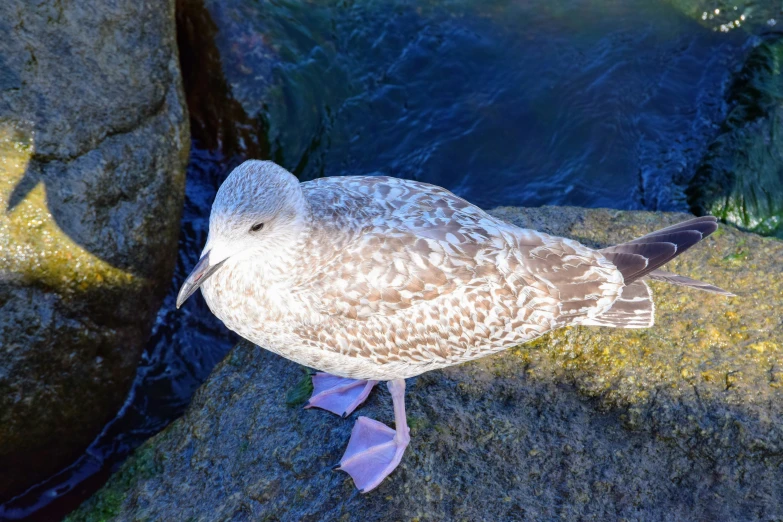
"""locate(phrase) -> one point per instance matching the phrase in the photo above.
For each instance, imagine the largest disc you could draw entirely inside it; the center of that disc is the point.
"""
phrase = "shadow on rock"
(218, 121)
(94, 141)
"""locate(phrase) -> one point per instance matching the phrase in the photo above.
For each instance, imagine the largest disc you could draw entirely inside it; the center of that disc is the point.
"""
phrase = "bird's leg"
(338, 395)
(375, 450)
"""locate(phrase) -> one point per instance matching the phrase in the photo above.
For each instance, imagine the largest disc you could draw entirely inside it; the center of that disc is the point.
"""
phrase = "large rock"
(740, 179)
(678, 422)
(93, 146)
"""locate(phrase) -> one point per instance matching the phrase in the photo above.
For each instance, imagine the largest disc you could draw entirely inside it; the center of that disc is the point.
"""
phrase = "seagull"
(374, 278)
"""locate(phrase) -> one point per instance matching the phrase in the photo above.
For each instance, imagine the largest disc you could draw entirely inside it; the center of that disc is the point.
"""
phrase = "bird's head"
(258, 211)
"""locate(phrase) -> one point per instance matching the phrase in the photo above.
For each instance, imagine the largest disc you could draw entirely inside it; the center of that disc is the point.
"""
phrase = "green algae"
(740, 180)
(142, 465)
(300, 393)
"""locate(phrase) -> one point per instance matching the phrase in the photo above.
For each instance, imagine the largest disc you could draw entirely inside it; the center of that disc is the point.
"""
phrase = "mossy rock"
(93, 148)
(730, 15)
(740, 180)
(678, 422)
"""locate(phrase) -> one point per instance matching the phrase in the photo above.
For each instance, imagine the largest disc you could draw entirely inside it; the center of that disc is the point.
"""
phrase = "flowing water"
(590, 103)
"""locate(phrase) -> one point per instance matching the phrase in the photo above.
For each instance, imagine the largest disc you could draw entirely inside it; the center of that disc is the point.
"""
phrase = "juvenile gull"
(373, 279)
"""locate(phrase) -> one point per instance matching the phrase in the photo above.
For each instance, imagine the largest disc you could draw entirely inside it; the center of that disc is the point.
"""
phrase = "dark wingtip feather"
(659, 247)
(704, 224)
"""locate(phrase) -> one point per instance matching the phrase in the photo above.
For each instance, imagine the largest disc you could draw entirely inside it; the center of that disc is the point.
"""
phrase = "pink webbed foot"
(337, 394)
(375, 450)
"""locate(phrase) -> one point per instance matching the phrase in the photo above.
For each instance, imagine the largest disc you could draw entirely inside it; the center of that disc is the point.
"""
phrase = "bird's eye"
(256, 227)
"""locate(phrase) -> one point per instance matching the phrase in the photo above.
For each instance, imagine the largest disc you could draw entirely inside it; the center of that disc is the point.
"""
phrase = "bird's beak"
(200, 273)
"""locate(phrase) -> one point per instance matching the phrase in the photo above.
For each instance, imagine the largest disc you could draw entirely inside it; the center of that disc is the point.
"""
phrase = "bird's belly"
(408, 350)
(421, 338)
(323, 359)
(361, 367)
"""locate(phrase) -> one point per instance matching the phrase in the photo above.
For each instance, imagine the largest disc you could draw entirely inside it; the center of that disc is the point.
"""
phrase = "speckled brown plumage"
(381, 278)
(388, 278)
(376, 278)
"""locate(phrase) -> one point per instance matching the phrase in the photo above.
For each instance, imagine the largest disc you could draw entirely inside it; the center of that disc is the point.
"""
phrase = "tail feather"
(633, 309)
(638, 258)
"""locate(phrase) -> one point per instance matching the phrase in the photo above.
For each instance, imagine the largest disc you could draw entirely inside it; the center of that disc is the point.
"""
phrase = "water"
(505, 103)
(608, 103)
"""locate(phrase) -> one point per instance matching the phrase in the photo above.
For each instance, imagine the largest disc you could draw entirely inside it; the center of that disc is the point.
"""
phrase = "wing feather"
(441, 243)
(441, 280)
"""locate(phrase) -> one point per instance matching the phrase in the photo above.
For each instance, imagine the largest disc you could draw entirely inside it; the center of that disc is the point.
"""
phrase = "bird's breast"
(250, 302)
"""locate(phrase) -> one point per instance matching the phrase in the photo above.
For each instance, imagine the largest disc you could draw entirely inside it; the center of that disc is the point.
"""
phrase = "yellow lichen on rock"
(706, 353)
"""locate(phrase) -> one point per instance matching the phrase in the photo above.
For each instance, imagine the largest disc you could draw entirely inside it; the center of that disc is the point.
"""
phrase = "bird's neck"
(255, 291)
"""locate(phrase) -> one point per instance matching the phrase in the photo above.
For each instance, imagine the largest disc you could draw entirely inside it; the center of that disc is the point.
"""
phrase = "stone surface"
(678, 422)
(740, 180)
(93, 146)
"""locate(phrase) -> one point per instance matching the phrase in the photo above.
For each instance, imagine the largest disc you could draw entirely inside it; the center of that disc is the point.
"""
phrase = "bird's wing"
(423, 243)
(417, 243)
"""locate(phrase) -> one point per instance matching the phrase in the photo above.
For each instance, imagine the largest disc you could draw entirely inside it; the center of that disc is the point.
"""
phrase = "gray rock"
(678, 422)
(93, 147)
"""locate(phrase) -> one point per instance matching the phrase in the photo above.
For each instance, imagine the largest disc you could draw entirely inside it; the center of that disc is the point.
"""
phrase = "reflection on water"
(591, 103)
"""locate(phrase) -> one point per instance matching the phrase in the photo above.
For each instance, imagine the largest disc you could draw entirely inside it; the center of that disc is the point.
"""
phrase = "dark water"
(607, 103)
(505, 103)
